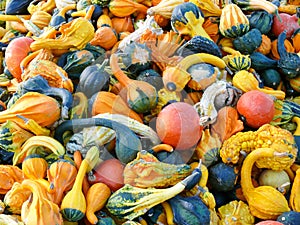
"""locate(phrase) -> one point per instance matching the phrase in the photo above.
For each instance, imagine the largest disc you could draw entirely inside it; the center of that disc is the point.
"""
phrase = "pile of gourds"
(150, 112)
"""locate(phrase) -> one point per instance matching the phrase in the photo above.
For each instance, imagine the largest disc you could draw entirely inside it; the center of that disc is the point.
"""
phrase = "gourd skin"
(266, 136)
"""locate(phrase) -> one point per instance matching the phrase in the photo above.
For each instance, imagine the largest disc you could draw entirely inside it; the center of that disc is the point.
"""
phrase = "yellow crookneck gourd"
(39, 209)
(265, 202)
(73, 206)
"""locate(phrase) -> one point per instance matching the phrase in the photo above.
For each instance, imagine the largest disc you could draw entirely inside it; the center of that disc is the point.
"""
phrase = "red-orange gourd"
(178, 125)
(269, 222)
(256, 107)
(16, 51)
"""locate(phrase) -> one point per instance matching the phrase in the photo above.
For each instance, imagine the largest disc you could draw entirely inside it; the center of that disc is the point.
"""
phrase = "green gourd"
(249, 42)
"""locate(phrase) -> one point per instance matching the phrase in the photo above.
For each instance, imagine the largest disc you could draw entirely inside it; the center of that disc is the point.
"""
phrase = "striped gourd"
(233, 22)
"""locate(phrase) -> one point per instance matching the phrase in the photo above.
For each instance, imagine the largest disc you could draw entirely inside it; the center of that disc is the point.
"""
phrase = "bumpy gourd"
(147, 171)
(9, 175)
(267, 136)
(265, 202)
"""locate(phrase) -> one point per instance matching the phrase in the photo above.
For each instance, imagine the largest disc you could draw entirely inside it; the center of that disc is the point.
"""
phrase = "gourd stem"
(117, 72)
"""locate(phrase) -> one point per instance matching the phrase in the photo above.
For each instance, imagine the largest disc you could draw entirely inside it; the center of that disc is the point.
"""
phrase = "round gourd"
(261, 20)
(289, 218)
(222, 177)
(256, 107)
(152, 77)
(275, 179)
(178, 125)
(16, 51)
(271, 78)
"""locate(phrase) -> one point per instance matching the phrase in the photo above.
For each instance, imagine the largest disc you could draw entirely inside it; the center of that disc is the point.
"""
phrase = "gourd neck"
(246, 181)
(80, 175)
(117, 72)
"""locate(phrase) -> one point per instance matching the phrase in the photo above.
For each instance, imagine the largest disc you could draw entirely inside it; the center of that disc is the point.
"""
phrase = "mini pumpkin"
(105, 37)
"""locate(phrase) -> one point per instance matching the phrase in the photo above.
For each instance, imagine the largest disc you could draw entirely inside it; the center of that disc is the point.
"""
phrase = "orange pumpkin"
(178, 125)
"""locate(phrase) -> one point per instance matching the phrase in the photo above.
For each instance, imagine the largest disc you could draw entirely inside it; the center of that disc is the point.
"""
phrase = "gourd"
(291, 217)
(260, 61)
(152, 77)
(74, 34)
(15, 7)
(249, 42)
(258, 5)
(59, 17)
(16, 51)
(172, 128)
(93, 79)
(136, 57)
(236, 61)
(34, 167)
(265, 202)
(233, 22)
(15, 198)
(122, 8)
(189, 210)
(12, 136)
(127, 143)
(32, 105)
(246, 82)
(235, 211)
(296, 40)
(261, 20)
(105, 37)
(222, 177)
(208, 148)
(61, 174)
(40, 85)
(279, 139)
(266, 45)
(274, 49)
(77, 61)
(123, 24)
(164, 8)
(130, 202)
(39, 209)
(198, 44)
(107, 102)
(96, 198)
(277, 179)
(271, 78)
(294, 196)
(73, 206)
(147, 171)
(9, 175)
(187, 19)
(141, 96)
(289, 62)
(40, 18)
(208, 7)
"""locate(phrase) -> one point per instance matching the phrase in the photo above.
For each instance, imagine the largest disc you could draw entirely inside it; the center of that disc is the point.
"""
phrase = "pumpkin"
(105, 37)
(109, 172)
(178, 125)
(16, 51)
(233, 22)
(122, 24)
(261, 20)
(256, 107)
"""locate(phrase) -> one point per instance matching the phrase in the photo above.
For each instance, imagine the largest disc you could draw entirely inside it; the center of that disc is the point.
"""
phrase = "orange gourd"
(96, 198)
(34, 167)
(61, 175)
(8, 176)
(178, 125)
(274, 52)
(105, 37)
(123, 8)
(265, 46)
(107, 102)
(122, 24)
